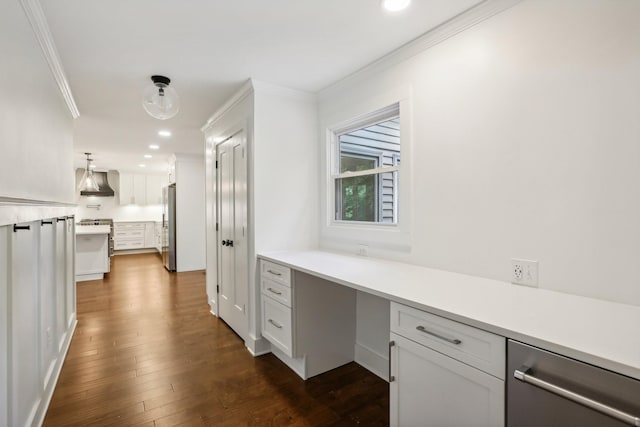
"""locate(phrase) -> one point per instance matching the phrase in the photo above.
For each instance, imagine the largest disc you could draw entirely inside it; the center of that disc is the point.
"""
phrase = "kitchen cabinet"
(310, 323)
(133, 189)
(158, 237)
(92, 252)
(444, 373)
(128, 235)
(154, 184)
(149, 235)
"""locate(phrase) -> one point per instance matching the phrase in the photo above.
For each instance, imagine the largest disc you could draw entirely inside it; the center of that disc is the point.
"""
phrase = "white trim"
(38, 21)
(375, 171)
(45, 400)
(372, 361)
(245, 90)
(442, 32)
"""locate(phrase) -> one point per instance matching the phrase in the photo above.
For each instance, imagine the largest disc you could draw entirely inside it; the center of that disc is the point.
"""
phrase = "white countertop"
(92, 229)
(599, 332)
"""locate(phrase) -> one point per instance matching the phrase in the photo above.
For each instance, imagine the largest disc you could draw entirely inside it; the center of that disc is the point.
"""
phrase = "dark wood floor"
(148, 352)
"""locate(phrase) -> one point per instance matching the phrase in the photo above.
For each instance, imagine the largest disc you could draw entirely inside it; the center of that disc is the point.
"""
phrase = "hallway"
(148, 352)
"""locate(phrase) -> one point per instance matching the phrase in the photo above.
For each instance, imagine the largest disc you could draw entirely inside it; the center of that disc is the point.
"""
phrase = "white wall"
(190, 212)
(282, 173)
(36, 144)
(111, 208)
(525, 144)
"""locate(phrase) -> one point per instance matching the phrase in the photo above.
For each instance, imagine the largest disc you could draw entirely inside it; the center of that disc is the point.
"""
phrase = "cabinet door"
(430, 388)
(149, 234)
(126, 188)
(154, 189)
(133, 189)
(139, 189)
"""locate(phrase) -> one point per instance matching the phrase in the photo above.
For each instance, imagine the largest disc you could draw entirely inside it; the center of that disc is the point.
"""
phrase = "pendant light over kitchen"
(160, 100)
(88, 181)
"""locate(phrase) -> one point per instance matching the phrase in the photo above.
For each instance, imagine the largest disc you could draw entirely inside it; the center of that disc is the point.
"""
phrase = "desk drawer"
(128, 244)
(478, 348)
(276, 324)
(129, 233)
(277, 291)
(276, 272)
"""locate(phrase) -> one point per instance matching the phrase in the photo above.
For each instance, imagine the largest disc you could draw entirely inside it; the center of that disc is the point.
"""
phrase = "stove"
(101, 221)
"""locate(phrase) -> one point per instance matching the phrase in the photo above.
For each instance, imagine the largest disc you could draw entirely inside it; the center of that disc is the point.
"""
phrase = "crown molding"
(459, 23)
(38, 21)
(245, 90)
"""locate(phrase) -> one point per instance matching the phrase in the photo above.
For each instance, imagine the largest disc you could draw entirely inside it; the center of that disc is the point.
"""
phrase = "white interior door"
(232, 246)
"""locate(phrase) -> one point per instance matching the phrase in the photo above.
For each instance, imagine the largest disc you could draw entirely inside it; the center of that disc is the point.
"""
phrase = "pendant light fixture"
(88, 181)
(160, 100)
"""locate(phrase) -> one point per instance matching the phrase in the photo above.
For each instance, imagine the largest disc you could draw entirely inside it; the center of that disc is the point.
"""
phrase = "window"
(366, 173)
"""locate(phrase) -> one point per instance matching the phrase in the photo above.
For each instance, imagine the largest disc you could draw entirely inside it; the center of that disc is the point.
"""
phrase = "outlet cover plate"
(524, 272)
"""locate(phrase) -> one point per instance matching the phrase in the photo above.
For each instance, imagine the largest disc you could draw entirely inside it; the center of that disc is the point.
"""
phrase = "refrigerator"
(169, 227)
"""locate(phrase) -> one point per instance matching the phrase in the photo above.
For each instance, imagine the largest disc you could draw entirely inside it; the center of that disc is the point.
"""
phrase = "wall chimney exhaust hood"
(94, 183)
(103, 190)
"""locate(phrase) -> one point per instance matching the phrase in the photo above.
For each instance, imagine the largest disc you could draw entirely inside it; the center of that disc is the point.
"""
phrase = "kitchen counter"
(92, 229)
(599, 332)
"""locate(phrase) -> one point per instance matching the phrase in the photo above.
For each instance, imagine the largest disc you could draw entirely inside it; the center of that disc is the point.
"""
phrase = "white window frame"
(373, 118)
(343, 235)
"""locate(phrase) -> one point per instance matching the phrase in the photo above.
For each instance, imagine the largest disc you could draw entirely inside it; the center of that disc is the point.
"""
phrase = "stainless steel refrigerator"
(169, 227)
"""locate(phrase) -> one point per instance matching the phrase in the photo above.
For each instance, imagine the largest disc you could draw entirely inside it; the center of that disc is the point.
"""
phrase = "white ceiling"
(209, 48)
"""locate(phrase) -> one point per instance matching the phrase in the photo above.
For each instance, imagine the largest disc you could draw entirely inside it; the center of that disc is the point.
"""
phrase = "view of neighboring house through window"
(366, 186)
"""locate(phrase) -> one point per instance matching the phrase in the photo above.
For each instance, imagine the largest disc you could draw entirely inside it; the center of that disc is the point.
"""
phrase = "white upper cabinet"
(139, 189)
(154, 188)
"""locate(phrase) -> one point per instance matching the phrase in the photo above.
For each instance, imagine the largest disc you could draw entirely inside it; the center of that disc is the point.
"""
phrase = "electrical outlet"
(524, 272)
(362, 250)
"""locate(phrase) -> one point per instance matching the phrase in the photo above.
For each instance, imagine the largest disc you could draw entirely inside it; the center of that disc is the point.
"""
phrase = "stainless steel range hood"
(104, 189)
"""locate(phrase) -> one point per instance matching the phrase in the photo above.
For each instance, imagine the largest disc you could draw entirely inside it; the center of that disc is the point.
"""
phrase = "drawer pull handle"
(523, 374)
(275, 273)
(274, 291)
(442, 337)
(21, 227)
(275, 324)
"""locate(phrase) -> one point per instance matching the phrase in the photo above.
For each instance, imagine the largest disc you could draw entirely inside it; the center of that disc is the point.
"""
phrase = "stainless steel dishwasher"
(548, 389)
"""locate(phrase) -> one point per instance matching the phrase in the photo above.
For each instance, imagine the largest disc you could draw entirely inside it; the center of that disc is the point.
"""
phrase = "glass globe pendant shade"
(88, 181)
(160, 100)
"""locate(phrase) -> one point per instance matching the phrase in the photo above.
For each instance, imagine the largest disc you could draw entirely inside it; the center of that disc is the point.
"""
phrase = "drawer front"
(276, 272)
(276, 325)
(129, 233)
(128, 244)
(277, 291)
(475, 347)
(121, 226)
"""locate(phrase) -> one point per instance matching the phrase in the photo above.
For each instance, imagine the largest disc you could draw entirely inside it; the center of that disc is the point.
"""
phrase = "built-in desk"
(598, 332)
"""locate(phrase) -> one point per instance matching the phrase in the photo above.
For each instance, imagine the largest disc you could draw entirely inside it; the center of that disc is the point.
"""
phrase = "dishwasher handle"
(523, 374)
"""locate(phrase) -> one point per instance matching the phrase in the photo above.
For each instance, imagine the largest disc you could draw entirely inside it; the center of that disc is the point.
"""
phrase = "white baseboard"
(298, 365)
(372, 361)
(257, 346)
(135, 251)
(43, 406)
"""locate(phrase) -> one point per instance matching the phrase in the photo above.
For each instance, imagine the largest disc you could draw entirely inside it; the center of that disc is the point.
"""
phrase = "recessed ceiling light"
(395, 5)
(164, 133)
(92, 166)
(154, 146)
(142, 166)
(148, 156)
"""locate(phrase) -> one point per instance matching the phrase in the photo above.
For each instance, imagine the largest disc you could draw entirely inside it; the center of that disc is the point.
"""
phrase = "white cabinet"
(92, 256)
(133, 189)
(134, 235)
(158, 236)
(310, 322)
(276, 306)
(149, 235)
(444, 373)
(128, 235)
(154, 188)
